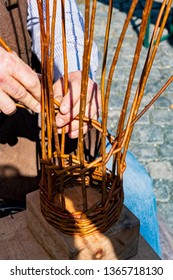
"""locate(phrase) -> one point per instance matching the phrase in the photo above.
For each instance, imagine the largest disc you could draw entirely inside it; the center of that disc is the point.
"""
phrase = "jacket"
(13, 30)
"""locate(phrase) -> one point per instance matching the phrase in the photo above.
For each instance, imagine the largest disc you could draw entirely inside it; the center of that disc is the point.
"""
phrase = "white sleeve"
(74, 36)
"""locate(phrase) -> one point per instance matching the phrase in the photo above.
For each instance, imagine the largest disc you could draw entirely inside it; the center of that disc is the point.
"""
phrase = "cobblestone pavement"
(152, 140)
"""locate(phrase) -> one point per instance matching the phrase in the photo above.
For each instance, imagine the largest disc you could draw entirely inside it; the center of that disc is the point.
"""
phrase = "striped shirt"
(74, 37)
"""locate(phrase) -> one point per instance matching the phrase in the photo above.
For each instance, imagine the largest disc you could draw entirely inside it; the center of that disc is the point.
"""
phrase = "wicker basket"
(65, 211)
(81, 196)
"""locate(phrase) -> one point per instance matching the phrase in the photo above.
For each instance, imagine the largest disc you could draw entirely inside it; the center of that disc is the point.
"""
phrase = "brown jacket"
(13, 29)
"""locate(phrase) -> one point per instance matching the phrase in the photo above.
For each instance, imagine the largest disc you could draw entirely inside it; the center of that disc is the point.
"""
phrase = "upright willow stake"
(146, 70)
(43, 127)
(44, 67)
(139, 45)
(103, 76)
(108, 88)
(83, 102)
(88, 40)
(106, 41)
(52, 46)
(83, 83)
(64, 45)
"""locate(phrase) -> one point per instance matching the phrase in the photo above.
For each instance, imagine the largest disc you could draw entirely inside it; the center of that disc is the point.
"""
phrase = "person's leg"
(139, 198)
(138, 190)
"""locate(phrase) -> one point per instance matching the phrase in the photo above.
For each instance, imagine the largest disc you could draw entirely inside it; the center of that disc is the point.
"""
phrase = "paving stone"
(163, 102)
(166, 151)
(166, 210)
(168, 132)
(163, 117)
(162, 190)
(148, 134)
(144, 153)
(161, 170)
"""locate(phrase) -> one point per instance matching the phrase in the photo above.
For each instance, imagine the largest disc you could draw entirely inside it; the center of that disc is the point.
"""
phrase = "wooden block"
(18, 243)
(118, 242)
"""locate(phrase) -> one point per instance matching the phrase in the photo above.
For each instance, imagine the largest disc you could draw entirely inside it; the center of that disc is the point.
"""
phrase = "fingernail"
(64, 108)
(38, 108)
(58, 98)
(59, 122)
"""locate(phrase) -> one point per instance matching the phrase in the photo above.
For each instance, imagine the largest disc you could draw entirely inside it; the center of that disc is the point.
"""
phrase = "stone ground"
(152, 139)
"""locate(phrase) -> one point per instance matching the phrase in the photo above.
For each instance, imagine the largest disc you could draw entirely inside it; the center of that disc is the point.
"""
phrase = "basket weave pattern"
(92, 219)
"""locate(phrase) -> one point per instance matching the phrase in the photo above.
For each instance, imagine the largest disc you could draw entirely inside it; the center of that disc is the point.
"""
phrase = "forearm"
(74, 37)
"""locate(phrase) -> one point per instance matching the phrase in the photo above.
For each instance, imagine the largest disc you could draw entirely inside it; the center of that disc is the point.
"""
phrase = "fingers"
(18, 81)
(7, 105)
(27, 77)
(69, 100)
(92, 108)
(72, 99)
(14, 89)
(72, 127)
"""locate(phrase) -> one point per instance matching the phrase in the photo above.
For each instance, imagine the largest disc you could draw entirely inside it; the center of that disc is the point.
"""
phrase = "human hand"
(17, 82)
(70, 103)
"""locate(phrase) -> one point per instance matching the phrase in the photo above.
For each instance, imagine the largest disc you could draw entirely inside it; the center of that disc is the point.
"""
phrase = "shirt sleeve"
(74, 37)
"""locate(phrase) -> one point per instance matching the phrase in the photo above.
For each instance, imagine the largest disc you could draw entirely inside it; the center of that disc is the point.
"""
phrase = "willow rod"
(56, 139)
(45, 98)
(88, 40)
(148, 66)
(83, 82)
(103, 76)
(42, 38)
(139, 45)
(103, 140)
(139, 93)
(109, 82)
(64, 45)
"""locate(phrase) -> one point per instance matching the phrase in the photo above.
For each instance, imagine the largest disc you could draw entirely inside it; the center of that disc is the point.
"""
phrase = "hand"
(70, 103)
(17, 82)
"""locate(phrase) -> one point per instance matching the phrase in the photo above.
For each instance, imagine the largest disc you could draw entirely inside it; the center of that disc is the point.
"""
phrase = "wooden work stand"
(27, 235)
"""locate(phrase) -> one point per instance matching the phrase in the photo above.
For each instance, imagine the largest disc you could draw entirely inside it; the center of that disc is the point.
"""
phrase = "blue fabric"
(139, 198)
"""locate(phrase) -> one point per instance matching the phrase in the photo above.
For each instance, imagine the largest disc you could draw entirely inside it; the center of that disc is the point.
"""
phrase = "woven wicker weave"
(95, 217)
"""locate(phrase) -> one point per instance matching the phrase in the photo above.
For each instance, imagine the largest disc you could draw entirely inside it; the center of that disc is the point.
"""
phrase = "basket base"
(73, 198)
(120, 241)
